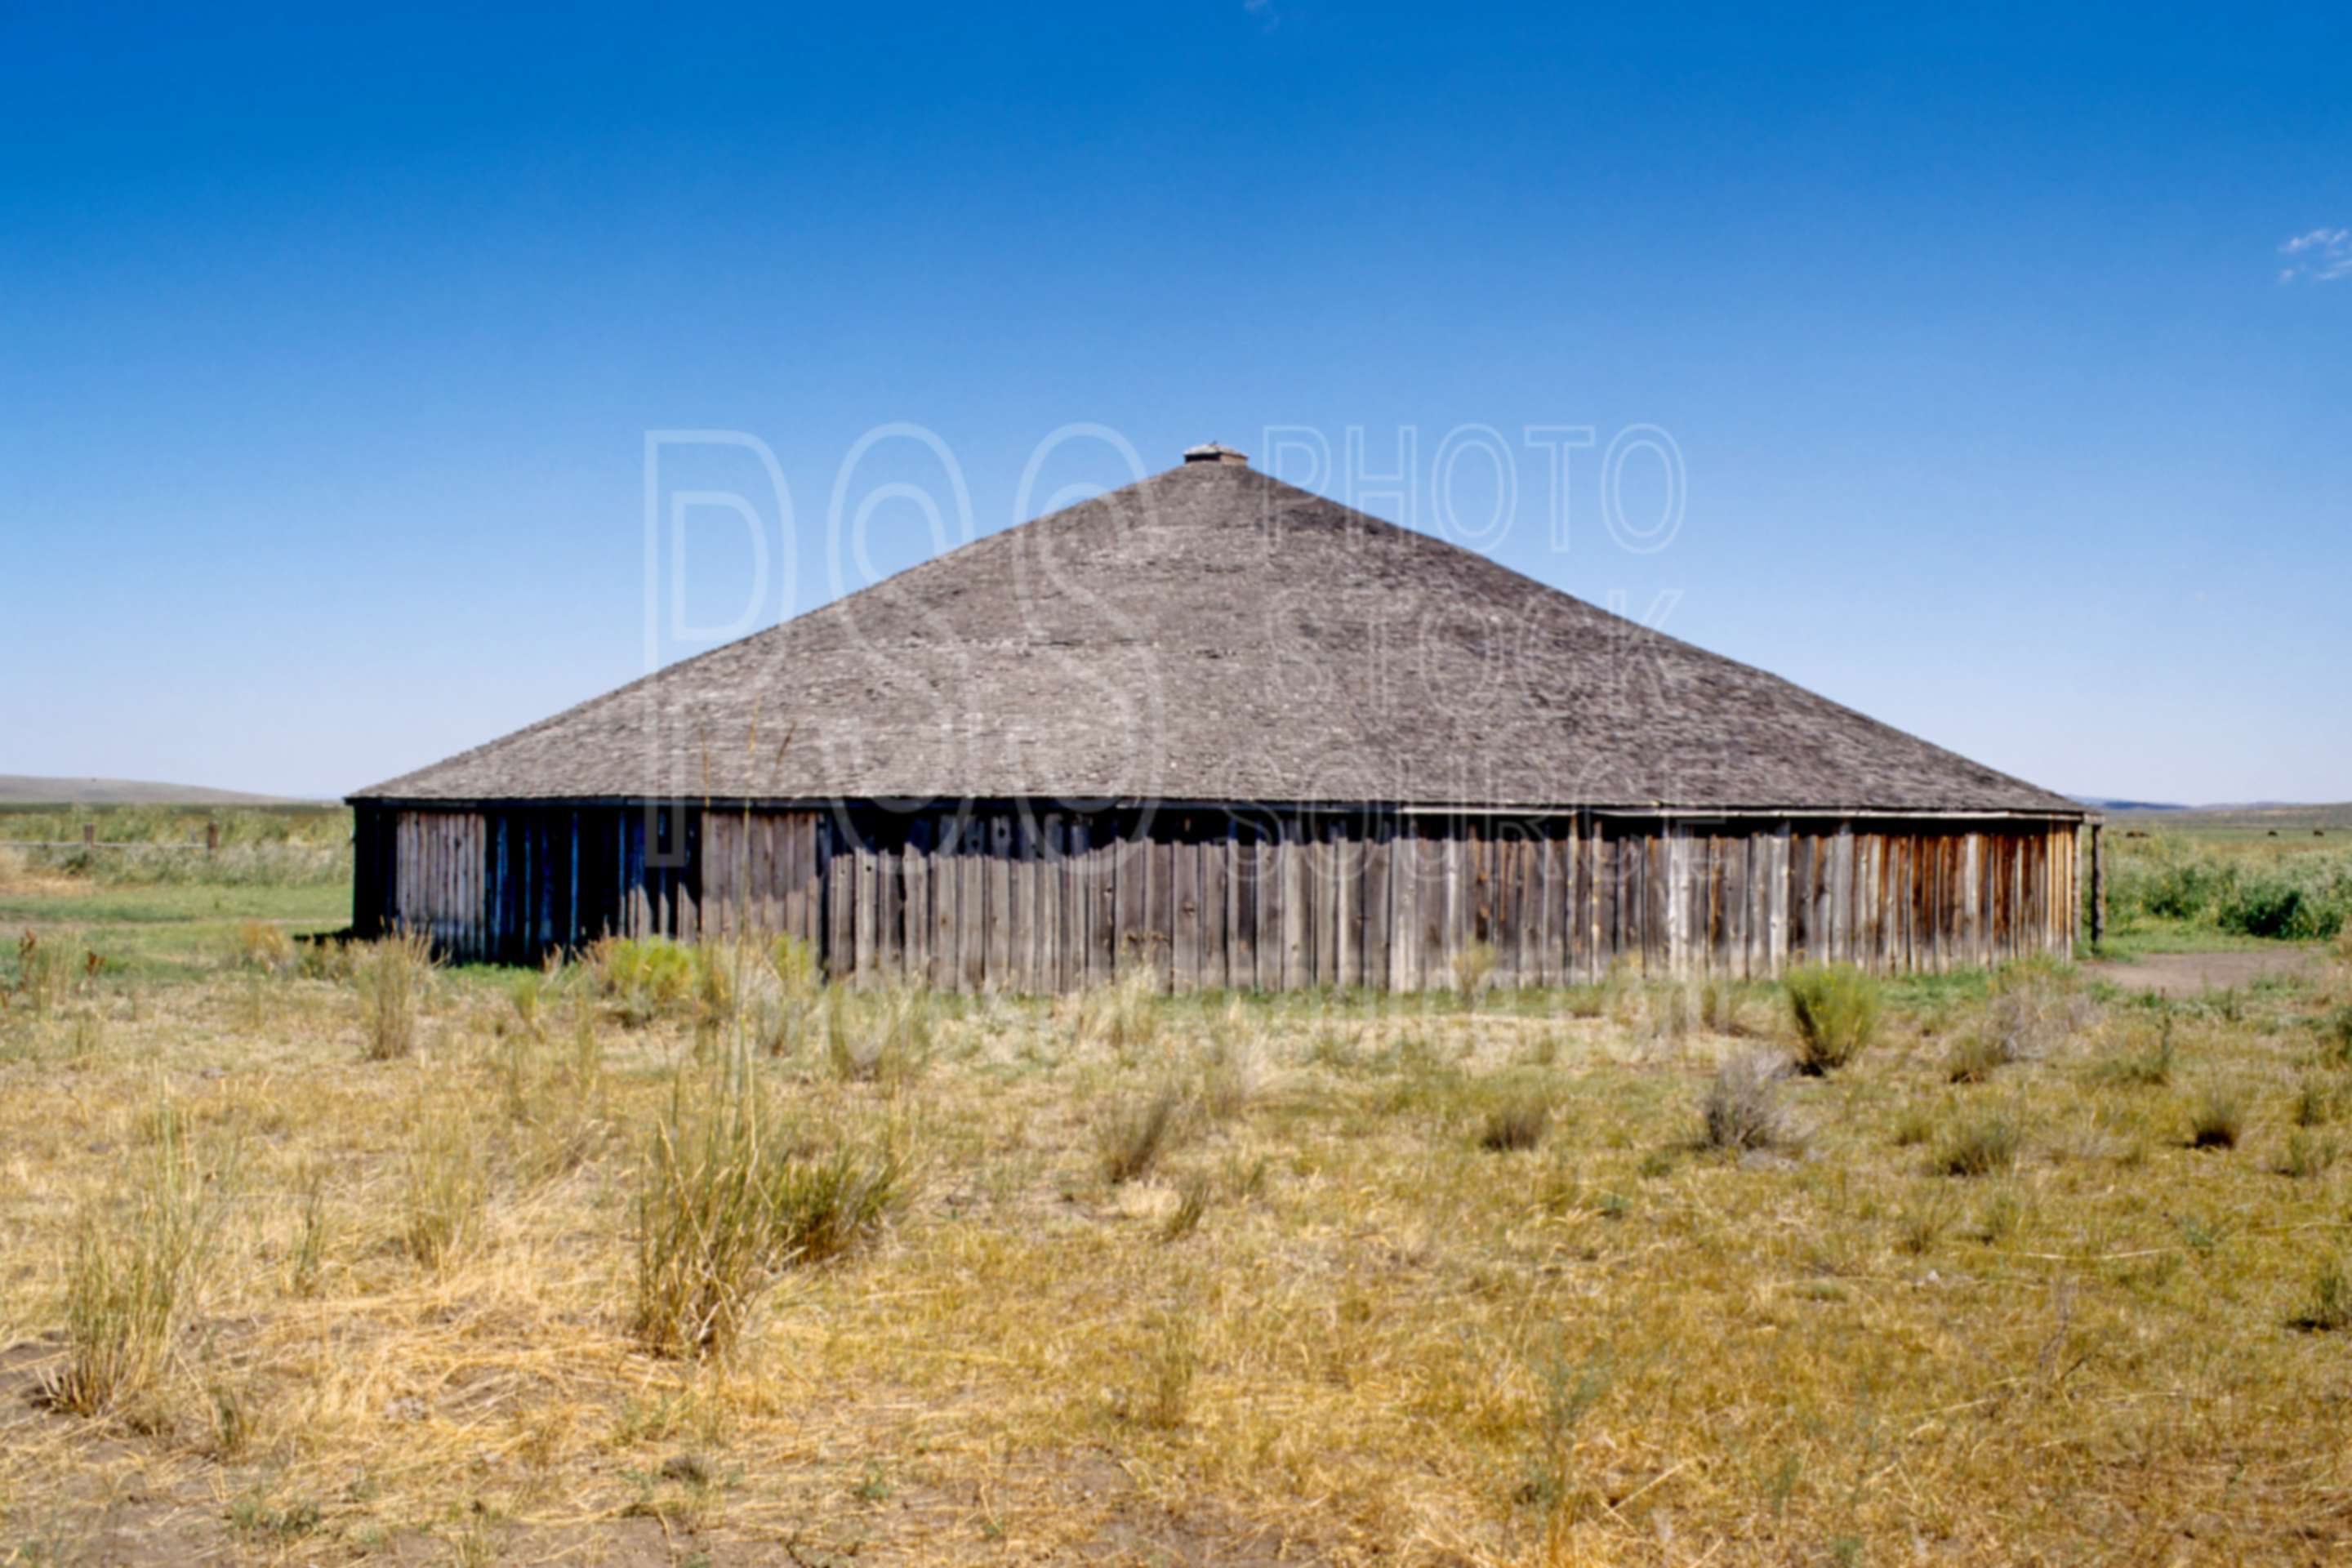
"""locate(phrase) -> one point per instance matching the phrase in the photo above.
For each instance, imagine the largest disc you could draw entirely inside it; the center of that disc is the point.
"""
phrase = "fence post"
(2099, 887)
(90, 834)
(212, 837)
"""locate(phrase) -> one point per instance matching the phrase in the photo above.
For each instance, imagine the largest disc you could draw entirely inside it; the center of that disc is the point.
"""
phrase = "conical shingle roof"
(1211, 633)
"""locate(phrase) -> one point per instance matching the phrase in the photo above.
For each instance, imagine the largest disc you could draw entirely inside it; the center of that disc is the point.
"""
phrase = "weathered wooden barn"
(1229, 730)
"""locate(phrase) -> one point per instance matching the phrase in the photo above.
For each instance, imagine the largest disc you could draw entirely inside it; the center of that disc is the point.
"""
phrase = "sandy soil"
(2190, 973)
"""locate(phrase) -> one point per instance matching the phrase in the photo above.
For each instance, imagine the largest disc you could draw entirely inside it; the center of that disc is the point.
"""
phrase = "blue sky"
(329, 345)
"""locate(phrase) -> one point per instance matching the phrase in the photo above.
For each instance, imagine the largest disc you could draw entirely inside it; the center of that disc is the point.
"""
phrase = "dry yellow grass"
(1327, 1323)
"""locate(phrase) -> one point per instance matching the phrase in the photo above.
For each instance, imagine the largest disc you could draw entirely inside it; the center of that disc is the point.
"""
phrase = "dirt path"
(2189, 974)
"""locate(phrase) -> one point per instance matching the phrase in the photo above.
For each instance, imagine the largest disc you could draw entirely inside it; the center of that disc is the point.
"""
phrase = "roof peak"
(1215, 452)
(1214, 632)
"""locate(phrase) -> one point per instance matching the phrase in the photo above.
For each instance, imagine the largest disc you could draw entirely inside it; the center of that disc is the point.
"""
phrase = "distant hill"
(28, 789)
(2241, 821)
(2098, 804)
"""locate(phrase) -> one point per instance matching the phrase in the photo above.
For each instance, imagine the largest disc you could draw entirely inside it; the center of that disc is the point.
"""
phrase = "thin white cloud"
(2323, 255)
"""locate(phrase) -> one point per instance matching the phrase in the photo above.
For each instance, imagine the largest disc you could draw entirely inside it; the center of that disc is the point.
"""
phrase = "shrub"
(2174, 886)
(1719, 1008)
(264, 946)
(323, 958)
(643, 979)
(527, 995)
(884, 1037)
(132, 1277)
(1835, 1008)
(2247, 890)
(2151, 1067)
(1228, 1070)
(1975, 1058)
(2035, 1006)
(2216, 1121)
(1516, 1121)
(1474, 971)
(1741, 1109)
(1670, 1011)
(1125, 1015)
(2308, 1155)
(44, 977)
(790, 997)
(718, 972)
(2274, 905)
(1586, 1001)
(727, 1197)
(1921, 1224)
(1133, 1135)
(1981, 1147)
(392, 976)
(1171, 1361)
(313, 1230)
(2329, 1306)
(703, 1235)
(1192, 1203)
(823, 1203)
(444, 1187)
(793, 963)
(2336, 1035)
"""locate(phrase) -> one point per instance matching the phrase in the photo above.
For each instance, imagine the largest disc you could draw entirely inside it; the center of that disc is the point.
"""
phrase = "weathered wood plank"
(1073, 842)
(1780, 912)
(1406, 971)
(1184, 903)
(1842, 912)
(946, 873)
(1538, 906)
(1675, 891)
(1340, 902)
(1159, 907)
(1297, 953)
(1011, 945)
(1101, 873)
(1217, 902)
(914, 967)
(1323, 879)
(763, 891)
(971, 907)
(1452, 902)
(1379, 902)
(1127, 880)
(864, 865)
(1047, 939)
(997, 895)
(1243, 852)
(1604, 897)
(1496, 853)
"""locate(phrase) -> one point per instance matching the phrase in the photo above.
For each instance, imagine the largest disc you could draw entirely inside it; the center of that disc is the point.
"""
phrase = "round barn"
(1237, 734)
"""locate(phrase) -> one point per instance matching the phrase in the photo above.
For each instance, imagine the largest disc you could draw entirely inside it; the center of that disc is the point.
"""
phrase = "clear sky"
(2004, 353)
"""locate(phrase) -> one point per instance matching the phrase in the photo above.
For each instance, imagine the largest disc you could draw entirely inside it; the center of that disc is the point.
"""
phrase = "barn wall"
(1014, 900)
(505, 884)
(1009, 900)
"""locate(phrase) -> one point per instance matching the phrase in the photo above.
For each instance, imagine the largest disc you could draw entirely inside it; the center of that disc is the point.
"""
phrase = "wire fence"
(209, 844)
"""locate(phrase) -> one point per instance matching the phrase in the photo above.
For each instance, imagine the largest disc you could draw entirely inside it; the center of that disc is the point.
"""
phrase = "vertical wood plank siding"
(1007, 899)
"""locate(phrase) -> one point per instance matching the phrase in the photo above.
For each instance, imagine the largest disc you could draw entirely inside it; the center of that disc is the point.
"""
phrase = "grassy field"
(143, 846)
(323, 1255)
(2181, 881)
